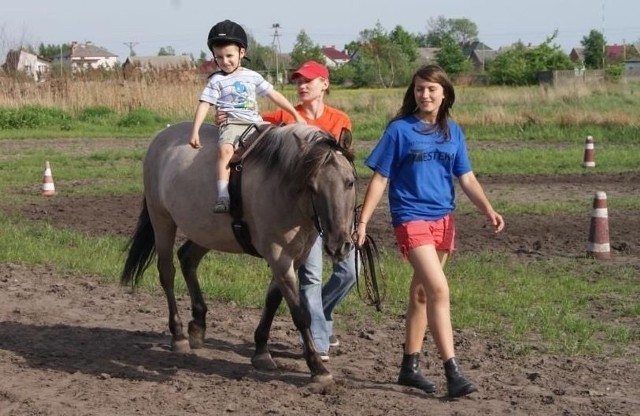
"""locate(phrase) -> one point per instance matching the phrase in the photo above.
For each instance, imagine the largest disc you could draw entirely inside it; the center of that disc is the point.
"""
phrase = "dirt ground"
(73, 345)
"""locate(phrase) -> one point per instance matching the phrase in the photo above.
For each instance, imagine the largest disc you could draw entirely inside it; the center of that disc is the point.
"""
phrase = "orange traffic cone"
(598, 246)
(48, 188)
(589, 160)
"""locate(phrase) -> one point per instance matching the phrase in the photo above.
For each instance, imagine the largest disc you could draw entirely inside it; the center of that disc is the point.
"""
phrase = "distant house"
(614, 53)
(480, 57)
(577, 55)
(157, 63)
(478, 53)
(475, 45)
(334, 58)
(34, 65)
(84, 56)
(206, 68)
(632, 65)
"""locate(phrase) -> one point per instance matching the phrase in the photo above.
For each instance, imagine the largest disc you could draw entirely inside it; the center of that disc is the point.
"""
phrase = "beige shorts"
(231, 131)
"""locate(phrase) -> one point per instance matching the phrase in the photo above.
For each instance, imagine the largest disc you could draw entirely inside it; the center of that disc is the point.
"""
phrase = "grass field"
(526, 131)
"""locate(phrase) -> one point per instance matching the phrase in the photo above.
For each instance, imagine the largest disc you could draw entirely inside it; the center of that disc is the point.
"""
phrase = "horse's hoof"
(196, 342)
(322, 384)
(180, 346)
(196, 335)
(263, 362)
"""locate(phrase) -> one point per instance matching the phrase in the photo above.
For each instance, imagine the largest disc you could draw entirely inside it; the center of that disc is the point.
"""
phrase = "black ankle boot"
(410, 374)
(457, 384)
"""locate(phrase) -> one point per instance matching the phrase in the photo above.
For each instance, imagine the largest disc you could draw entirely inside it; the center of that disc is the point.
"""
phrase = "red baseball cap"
(311, 70)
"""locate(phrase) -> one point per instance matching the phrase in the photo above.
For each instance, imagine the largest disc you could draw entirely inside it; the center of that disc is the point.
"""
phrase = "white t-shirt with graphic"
(236, 93)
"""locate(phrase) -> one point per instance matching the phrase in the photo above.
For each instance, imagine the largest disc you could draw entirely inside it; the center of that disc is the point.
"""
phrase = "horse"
(297, 182)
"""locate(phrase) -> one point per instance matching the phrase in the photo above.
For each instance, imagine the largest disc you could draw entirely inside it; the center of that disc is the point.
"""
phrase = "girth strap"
(238, 225)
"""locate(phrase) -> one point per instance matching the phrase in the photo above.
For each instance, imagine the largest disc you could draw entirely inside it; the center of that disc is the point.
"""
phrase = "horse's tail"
(141, 248)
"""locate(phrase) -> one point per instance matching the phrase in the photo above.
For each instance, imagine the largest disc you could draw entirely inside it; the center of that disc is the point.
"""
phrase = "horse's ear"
(345, 139)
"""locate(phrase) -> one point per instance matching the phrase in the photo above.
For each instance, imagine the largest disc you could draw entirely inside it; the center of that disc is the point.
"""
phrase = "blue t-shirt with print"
(421, 168)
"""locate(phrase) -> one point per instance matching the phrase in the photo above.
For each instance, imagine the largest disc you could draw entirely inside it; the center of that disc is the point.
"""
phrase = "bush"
(141, 118)
(96, 113)
(32, 117)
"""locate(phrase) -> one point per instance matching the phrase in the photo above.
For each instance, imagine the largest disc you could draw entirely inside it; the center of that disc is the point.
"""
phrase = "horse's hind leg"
(165, 235)
(262, 357)
(190, 255)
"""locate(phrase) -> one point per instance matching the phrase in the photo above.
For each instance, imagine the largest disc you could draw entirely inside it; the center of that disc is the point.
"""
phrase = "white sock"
(223, 189)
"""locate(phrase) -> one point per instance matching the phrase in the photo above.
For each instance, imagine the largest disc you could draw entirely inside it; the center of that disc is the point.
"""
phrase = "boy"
(234, 90)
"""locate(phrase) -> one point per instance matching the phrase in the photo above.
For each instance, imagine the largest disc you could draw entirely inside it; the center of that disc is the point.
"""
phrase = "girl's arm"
(375, 190)
(281, 101)
(475, 193)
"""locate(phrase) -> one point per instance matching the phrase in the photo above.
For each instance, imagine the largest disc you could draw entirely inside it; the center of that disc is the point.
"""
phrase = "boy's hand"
(195, 142)
(300, 119)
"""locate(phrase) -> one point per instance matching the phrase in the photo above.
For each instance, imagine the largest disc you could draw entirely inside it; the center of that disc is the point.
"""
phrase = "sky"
(148, 25)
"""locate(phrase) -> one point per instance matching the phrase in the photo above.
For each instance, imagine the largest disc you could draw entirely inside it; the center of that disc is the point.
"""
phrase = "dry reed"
(177, 96)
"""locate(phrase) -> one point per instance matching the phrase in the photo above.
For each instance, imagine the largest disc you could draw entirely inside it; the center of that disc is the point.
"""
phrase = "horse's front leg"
(190, 255)
(288, 284)
(262, 359)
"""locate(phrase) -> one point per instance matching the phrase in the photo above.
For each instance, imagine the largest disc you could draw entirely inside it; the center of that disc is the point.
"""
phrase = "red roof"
(615, 51)
(335, 55)
(207, 67)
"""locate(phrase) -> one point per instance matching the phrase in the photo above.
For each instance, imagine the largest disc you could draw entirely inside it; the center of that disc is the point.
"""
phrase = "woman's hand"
(496, 220)
(220, 117)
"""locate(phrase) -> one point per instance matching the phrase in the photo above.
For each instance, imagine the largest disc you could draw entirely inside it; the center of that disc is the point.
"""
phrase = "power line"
(130, 45)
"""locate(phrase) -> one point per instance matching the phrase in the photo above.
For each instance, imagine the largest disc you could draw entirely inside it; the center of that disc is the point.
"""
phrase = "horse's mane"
(296, 151)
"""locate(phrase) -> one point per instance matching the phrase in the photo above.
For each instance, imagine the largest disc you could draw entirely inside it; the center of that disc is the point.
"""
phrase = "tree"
(261, 57)
(406, 41)
(379, 61)
(521, 64)
(53, 51)
(461, 30)
(594, 46)
(166, 51)
(304, 50)
(451, 58)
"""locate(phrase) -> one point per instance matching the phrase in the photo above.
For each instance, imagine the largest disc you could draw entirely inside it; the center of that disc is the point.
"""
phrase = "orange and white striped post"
(48, 188)
(589, 160)
(598, 246)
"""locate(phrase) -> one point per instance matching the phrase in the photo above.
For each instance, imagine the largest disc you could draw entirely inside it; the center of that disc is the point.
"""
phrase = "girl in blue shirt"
(420, 154)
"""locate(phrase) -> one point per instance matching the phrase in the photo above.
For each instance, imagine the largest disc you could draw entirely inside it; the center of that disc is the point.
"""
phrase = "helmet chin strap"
(240, 57)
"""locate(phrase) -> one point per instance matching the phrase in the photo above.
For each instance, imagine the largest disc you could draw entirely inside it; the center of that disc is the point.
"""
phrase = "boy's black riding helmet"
(227, 32)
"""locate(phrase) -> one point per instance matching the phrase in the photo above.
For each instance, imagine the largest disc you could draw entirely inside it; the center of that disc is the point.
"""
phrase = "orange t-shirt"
(332, 120)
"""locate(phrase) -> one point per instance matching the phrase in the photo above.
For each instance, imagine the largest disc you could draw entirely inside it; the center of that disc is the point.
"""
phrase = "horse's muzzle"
(341, 251)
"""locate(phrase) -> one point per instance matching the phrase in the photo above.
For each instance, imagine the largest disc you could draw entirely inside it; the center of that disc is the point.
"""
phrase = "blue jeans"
(321, 301)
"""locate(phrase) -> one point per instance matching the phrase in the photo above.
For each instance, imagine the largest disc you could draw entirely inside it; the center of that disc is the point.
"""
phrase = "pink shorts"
(440, 233)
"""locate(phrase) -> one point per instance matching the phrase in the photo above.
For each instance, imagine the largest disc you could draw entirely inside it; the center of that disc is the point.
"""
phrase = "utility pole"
(131, 45)
(604, 47)
(275, 44)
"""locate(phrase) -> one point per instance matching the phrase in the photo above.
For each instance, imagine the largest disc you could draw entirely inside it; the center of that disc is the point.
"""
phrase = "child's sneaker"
(221, 206)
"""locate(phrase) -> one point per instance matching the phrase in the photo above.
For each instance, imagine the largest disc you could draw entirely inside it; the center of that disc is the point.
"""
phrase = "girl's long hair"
(431, 73)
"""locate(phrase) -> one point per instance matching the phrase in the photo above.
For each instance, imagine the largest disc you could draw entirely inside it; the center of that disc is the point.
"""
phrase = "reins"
(372, 286)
